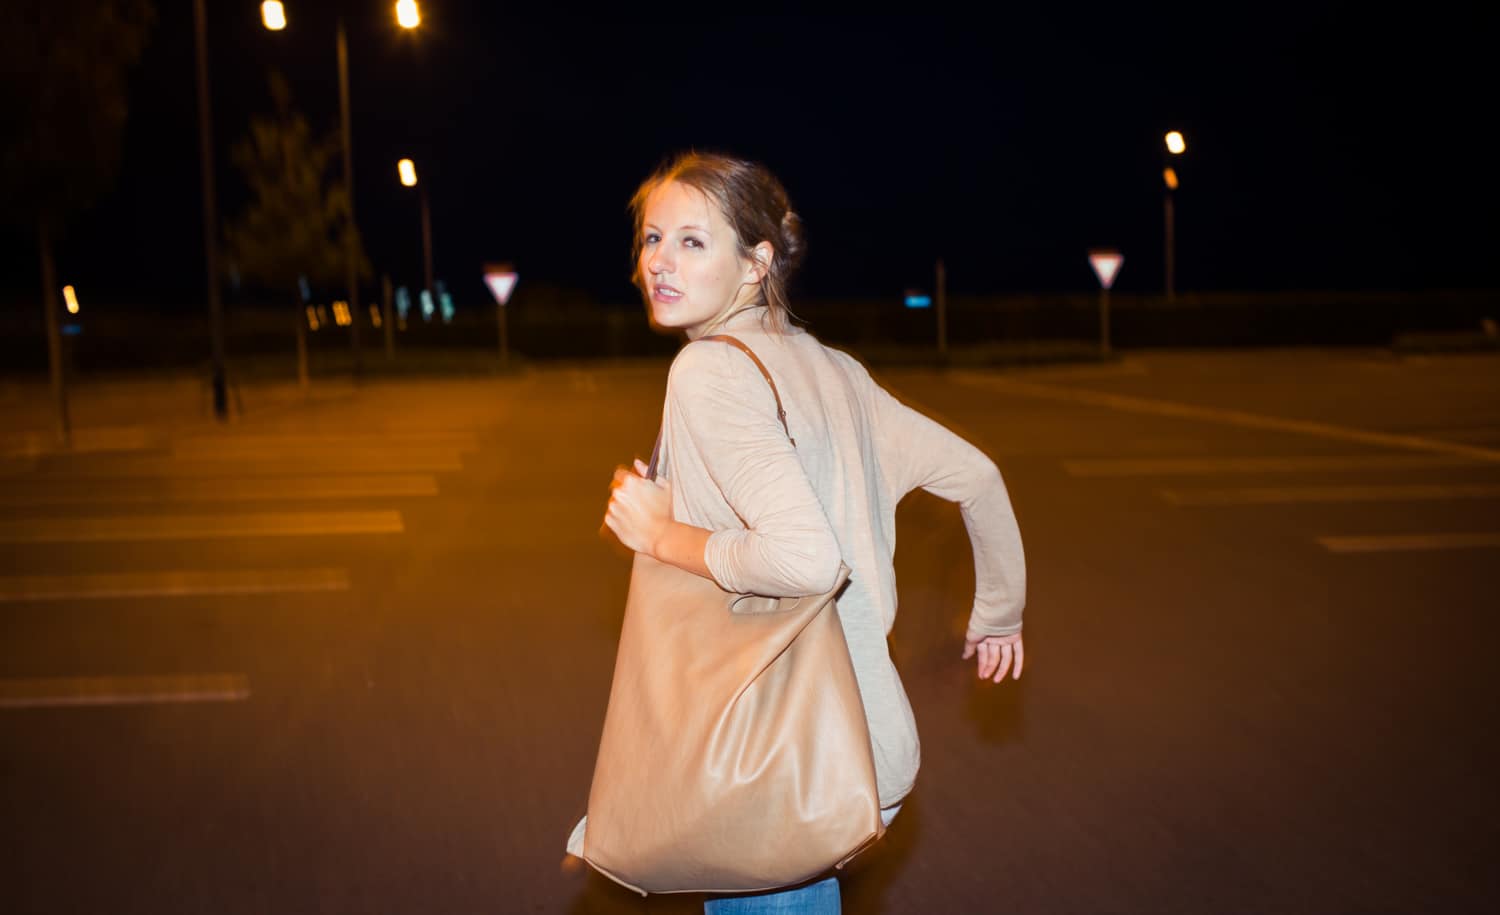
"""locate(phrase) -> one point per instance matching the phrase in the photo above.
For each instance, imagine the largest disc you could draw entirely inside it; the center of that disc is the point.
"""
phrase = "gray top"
(784, 516)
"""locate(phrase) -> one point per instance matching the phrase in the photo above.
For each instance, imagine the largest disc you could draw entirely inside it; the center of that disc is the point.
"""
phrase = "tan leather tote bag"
(735, 755)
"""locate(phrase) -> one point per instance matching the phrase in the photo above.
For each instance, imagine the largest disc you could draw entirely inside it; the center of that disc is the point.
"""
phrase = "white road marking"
(56, 692)
(1289, 495)
(396, 439)
(51, 491)
(199, 527)
(1186, 466)
(1391, 543)
(171, 584)
(136, 466)
(84, 439)
(1238, 418)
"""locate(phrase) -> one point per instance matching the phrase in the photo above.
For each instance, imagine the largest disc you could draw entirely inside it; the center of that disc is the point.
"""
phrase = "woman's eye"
(692, 242)
(650, 239)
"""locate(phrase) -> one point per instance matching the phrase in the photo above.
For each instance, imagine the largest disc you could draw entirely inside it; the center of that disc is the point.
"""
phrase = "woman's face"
(690, 267)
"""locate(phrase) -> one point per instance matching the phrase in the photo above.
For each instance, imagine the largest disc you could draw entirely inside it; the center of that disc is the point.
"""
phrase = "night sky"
(1329, 146)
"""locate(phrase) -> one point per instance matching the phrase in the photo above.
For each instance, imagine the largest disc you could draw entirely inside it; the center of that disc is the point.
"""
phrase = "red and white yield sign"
(501, 278)
(1106, 263)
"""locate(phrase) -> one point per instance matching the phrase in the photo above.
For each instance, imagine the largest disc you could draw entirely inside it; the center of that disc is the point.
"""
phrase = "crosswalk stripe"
(1390, 543)
(396, 438)
(350, 457)
(1289, 495)
(1127, 467)
(134, 467)
(199, 527)
(82, 439)
(1240, 418)
(171, 584)
(358, 486)
(57, 692)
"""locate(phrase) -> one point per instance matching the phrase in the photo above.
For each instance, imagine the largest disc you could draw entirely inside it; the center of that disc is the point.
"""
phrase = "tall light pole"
(408, 172)
(1176, 146)
(408, 16)
(210, 218)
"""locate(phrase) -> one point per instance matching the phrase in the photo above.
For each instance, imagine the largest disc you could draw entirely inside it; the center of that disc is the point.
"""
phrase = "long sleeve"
(915, 451)
(720, 401)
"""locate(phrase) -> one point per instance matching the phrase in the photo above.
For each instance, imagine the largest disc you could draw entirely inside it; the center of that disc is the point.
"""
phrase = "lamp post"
(1176, 146)
(210, 217)
(407, 15)
(408, 173)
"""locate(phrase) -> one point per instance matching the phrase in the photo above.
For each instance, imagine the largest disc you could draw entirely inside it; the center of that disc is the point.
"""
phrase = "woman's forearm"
(683, 545)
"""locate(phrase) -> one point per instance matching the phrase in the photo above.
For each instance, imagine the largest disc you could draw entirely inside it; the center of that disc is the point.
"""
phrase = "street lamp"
(409, 17)
(273, 14)
(1176, 146)
(407, 170)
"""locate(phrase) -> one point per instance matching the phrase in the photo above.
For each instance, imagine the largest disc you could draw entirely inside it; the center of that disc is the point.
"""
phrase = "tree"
(296, 223)
(63, 66)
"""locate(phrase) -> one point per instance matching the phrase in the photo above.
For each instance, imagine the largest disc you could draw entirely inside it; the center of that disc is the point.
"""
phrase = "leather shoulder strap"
(740, 344)
(780, 411)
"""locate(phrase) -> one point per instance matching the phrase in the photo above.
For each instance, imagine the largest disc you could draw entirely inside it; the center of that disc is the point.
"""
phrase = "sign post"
(501, 280)
(1106, 263)
(942, 311)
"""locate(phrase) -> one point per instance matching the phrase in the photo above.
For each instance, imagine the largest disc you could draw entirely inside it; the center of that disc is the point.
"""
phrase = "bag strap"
(780, 411)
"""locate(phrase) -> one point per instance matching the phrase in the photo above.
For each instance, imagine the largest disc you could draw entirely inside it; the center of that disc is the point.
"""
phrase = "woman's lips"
(665, 294)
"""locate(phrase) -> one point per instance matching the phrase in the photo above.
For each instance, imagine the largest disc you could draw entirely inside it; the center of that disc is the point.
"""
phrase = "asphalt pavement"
(350, 652)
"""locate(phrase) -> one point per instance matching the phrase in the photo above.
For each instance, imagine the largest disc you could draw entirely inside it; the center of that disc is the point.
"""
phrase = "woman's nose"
(657, 262)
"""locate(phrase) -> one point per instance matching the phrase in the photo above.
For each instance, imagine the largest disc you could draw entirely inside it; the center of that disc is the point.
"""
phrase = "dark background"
(1330, 146)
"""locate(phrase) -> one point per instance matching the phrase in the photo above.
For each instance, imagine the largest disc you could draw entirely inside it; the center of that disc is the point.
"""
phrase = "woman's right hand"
(996, 653)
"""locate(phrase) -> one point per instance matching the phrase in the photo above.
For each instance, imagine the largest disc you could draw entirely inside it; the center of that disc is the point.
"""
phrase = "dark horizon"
(1327, 149)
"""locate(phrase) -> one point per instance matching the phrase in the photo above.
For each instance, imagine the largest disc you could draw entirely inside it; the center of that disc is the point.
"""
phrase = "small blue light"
(403, 302)
(427, 306)
(918, 301)
(72, 330)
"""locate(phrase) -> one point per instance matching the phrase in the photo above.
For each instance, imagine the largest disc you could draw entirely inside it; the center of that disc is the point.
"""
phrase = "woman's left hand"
(640, 510)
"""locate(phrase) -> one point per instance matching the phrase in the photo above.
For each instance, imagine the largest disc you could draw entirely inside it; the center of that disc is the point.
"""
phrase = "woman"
(739, 503)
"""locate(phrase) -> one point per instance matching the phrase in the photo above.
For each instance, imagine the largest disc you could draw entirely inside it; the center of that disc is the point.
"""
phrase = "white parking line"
(171, 584)
(199, 527)
(60, 492)
(1239, 418)
(55, 692)
(1289, 495)
(1395, 543)
(1188, 466)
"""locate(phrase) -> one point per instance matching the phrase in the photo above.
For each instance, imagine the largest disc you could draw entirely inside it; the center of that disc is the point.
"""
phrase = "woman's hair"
(753, 203)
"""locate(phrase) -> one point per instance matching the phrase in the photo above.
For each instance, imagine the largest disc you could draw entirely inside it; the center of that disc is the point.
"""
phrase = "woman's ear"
(760, 261)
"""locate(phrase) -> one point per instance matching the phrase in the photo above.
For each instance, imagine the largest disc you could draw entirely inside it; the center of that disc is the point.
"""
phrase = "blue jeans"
(821, 898)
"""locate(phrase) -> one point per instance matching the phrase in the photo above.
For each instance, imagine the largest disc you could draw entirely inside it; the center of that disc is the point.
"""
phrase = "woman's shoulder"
(713, 373)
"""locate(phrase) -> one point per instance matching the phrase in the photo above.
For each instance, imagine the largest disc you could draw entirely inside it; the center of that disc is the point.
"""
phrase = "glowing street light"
(408, 172)
(71, 299)
(1176, 146)
(273, 14)
(409, 17)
